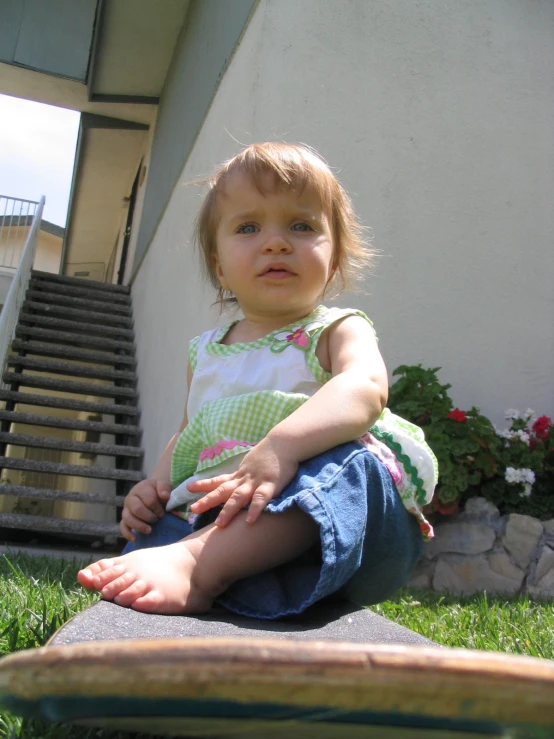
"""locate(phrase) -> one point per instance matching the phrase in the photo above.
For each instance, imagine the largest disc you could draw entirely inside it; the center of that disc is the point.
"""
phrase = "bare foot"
(156, 580)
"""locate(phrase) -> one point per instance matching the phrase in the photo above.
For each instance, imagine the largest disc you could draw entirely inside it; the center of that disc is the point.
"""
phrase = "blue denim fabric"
(370, 544)
(167, 530)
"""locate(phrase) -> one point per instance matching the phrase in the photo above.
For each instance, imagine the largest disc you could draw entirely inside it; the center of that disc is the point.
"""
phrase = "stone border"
(480, 550)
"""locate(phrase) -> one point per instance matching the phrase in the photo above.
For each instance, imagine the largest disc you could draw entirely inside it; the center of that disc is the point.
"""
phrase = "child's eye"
(302, 226)
(247, 228)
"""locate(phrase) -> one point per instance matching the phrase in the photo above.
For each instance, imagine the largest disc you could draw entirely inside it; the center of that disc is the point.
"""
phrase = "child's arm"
(342, 410)
(145, 503)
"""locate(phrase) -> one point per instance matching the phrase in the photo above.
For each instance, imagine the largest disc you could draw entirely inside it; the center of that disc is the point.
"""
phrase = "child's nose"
(277, 243)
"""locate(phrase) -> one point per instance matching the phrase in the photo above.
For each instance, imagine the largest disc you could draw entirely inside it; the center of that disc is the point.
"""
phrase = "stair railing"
(16, 215)
(18, 287)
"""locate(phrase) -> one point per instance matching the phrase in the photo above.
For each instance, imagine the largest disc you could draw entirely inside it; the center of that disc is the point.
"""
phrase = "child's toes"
(128, 597)
(86, 576)
(151, 602)
(104, 578)
(118, 585)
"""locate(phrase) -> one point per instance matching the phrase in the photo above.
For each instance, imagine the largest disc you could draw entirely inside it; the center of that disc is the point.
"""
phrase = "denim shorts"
(369, 543)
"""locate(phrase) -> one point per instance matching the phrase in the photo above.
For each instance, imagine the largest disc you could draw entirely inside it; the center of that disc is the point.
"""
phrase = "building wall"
(205, 45)
(47, 256)
(437, 118)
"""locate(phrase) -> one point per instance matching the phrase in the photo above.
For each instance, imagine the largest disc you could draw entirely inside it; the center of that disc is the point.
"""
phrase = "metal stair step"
(62, 310)
(77, 326)
(77, 470)
(64, 280)
(94, 305)
(73, 339)
(83, 291)
(70, 368)
(58, 525)
(35, 419)
(68, 386)
(45, 442)
(66, 352)
(21, 491)
(53, 401)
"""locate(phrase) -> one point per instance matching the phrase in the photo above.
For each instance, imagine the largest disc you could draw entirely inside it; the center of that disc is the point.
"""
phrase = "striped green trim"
(406, 462)
(216, 348)
(312, 361)
(193, 352)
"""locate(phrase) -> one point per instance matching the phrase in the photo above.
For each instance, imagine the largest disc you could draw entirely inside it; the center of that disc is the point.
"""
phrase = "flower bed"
(513, 467)
(493, 508)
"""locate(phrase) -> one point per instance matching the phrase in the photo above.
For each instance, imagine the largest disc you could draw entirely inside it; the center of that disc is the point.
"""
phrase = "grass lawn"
(38, 595)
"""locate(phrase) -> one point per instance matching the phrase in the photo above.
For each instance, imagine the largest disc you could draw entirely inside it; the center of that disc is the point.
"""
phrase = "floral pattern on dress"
(301, 337)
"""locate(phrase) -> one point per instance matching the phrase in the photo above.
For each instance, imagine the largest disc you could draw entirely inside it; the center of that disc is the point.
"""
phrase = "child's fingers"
(144, 511)
(163, 490)
(126, 532)
(216, 498)
(263, 495)
(209, 484)
(240, 498)
(133, 522)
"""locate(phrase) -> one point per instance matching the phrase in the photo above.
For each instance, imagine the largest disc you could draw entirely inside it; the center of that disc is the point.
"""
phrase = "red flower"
(541, 426)
(457, 415)
(445, 509)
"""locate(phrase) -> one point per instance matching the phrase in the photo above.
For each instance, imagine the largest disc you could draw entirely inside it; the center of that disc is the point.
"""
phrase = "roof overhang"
(118, 67)
(108, 155)
(132, 49)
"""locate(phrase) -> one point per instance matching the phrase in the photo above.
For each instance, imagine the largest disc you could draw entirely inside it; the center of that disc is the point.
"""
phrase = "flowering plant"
(513, 468)
(527, 454)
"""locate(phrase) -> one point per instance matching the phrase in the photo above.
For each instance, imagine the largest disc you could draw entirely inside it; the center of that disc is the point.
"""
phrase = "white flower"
(511, 414)
(522, 436)
(526, 492)
(529, 414)
(511, 475)
(518, 435)
(523, 476)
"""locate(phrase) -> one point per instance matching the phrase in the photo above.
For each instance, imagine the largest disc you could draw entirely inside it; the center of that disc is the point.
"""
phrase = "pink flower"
(299, 337)
(457, 415)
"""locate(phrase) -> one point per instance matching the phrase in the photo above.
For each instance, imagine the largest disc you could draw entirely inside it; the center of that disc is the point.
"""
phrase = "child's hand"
(262, 475)
(144, 504)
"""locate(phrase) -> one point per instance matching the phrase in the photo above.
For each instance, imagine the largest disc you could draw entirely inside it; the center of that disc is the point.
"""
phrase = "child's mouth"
(277, 273)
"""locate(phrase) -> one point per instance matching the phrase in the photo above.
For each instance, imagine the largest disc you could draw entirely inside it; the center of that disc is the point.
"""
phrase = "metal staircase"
(79, 329)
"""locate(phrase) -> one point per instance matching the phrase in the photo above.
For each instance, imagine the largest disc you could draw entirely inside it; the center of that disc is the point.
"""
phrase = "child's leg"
(362, 521)
(186, 576)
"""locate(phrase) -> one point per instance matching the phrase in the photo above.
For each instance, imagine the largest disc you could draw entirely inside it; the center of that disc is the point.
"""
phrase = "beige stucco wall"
(438, 119)
(47, 256)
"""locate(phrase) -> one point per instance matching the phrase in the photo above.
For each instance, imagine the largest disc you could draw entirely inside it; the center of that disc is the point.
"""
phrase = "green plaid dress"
(239, 392)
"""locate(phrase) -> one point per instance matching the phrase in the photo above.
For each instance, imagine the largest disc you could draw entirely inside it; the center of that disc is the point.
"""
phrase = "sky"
(37, 152)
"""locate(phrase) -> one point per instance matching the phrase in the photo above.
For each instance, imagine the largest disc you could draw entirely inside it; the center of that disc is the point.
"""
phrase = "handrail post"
(18, 287)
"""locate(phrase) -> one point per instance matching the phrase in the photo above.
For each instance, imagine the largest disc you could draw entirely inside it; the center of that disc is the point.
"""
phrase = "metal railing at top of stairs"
(18, 287)
(16, 216)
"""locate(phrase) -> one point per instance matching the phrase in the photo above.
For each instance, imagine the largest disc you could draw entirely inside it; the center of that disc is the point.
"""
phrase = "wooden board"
(220, 687)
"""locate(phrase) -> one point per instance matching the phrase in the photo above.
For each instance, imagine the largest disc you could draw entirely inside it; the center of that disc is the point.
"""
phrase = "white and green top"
(240, 391)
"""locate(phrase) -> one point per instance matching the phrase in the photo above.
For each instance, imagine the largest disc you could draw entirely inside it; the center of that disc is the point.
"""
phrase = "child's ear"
(219, 272)
(333, 270)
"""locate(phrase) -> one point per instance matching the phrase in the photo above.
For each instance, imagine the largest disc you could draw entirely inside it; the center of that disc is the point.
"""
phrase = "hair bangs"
(274, 165)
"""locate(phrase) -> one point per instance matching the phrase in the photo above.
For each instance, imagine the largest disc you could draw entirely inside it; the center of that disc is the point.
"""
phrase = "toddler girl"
(288, 480)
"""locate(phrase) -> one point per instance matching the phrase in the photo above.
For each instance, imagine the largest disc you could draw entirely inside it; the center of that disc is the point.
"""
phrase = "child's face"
(274, 250)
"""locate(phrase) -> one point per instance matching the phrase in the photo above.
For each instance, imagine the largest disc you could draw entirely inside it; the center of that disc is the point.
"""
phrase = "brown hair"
(295, 167)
